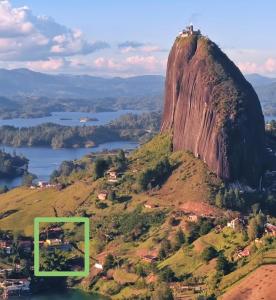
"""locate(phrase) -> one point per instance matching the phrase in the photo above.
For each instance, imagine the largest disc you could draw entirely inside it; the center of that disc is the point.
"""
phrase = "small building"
(103, 195)
(243, 253)
(53, 242)
(149, 258)
(218, 229)
(15, 287)
(112, 173)
(150, 205)
(6, 246)
(98, 266)
(189, 31)
(193, 218)
(235, 223)
(42, 184)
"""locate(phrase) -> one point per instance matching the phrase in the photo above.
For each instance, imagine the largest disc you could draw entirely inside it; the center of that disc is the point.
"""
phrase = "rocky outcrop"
(211, 110)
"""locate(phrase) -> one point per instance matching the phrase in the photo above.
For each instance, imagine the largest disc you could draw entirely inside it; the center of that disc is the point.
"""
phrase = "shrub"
(209, 253)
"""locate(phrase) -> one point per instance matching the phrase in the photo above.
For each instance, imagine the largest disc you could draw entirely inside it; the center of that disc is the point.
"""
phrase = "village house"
(103, 195)
(6, 246)
(193, 218)
(218, 229)
(243, 253)
(42, 184)
(15, 287)
(149, 258)
(270, 229)
(53, 242)
(150, 205)
(235, 223)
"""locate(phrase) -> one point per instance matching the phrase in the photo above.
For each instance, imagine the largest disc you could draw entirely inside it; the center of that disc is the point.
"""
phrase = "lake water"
(70, 295)
(69, 118)
(43, 161)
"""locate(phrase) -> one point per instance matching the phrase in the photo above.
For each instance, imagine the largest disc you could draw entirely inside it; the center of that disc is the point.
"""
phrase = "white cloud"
(267, 67)
(131, 46)
(254, 60)
(118, 66)
(24, 36)
(46, 65)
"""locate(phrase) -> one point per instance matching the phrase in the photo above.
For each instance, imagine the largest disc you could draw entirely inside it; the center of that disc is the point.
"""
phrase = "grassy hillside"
(177, 185)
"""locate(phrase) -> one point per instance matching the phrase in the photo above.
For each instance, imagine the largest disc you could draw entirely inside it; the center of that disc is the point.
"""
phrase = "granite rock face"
(211, 110)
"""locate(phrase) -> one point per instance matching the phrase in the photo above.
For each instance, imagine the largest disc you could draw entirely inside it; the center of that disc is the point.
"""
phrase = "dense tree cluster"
(230, 199)
(57, 136)
(155, 175)
(12, 165)
(130, 127)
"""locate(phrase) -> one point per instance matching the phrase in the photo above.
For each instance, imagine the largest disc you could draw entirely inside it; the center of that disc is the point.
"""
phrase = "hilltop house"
(188, 31)
(193, 218)
(103, 195)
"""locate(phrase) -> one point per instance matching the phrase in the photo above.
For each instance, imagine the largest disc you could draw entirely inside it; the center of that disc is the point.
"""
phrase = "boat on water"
(85, 120)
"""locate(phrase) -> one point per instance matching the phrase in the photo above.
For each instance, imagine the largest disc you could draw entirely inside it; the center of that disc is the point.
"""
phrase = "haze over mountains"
(21, 86)
(24, 82)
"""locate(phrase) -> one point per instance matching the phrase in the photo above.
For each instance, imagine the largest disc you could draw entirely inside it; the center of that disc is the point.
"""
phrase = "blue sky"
(93, 30)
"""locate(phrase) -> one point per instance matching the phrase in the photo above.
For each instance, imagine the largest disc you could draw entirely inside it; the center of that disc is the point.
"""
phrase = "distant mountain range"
(259, 80)
(23, 82)
(27, 93)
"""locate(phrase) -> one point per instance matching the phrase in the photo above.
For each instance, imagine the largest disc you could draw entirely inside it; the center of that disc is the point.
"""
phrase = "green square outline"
(84, 220)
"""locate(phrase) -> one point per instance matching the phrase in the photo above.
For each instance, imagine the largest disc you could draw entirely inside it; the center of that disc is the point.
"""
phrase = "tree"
(255, 208)
(109, 262)
(223, 265)
(112, 196)
(165, 249)
(209, 253)
(261, 220)
(3, 189)
(253, 229)
(256, 226)
(167, 275)
(28, 178)
(205, 227)
(219, 200)
(120, 160)
(140, 270)
(53, 261)
(179, 239)
(100, 166)
(162, 292)
(66, 168)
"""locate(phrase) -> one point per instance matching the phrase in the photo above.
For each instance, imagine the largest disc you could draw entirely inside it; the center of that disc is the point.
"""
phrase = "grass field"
(258, 285)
